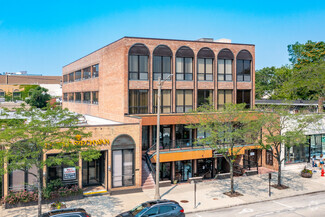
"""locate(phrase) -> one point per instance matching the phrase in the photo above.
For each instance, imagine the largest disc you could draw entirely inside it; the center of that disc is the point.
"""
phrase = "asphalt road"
(306, 205)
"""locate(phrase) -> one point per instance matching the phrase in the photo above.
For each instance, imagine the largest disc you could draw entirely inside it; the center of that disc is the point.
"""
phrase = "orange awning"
(183, 155)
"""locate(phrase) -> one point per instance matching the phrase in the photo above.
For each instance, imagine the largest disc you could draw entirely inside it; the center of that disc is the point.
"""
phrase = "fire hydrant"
(322, 172)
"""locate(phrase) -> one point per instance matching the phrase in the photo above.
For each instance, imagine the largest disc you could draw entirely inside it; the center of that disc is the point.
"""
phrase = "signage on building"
(69, 173)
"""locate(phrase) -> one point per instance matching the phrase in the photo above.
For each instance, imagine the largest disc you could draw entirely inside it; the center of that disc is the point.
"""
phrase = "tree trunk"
(231, 177)
(39, 187)
(320, 104)
(279, 173)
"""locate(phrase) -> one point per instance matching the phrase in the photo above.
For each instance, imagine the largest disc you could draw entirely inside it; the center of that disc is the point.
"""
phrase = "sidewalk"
(209, 195)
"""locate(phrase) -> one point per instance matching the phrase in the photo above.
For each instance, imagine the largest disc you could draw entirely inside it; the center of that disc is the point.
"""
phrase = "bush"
(306, 171)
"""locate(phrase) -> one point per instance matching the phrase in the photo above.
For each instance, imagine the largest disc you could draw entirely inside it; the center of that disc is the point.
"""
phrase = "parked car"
(68, 212)
(161, 208)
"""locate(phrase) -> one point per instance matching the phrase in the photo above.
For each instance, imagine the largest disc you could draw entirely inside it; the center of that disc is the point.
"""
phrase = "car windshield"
(138, 209)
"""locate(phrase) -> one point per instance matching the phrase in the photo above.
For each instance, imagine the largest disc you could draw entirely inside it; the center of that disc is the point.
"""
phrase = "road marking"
(246, 210)
(290, 207)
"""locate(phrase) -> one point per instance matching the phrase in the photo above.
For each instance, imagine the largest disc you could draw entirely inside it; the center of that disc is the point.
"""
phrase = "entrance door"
(183, 170)
(93, 172)
(250, 158)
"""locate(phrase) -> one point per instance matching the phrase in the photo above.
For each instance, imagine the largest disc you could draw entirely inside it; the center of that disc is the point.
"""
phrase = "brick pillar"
(80, 171)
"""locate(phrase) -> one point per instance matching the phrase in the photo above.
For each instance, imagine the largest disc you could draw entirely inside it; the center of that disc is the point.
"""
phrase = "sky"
(42, 36)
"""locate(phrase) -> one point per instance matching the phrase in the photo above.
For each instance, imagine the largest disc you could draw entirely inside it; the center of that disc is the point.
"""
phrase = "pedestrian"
(321, 162)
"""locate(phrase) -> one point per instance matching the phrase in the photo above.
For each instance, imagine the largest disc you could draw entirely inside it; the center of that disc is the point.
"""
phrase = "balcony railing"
(176, 144)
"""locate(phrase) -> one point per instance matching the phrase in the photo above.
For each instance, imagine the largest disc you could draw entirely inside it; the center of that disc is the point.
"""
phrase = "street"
(306, 205)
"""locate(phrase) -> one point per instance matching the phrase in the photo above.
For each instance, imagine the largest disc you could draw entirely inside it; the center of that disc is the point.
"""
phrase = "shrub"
(306, 171)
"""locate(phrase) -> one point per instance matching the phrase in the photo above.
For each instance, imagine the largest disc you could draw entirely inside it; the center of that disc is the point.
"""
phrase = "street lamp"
(160, 83)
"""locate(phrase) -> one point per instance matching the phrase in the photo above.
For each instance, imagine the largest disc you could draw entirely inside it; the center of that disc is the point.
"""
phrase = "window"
(145, 138)
(95, 97)
(244, 59)
(138, 101)
(184, 100)
(77, 97)
(77, 75)
(65, 97)
(151, 212)
(205, 64)
(184, 64)
(165, 101)
(16, 94)
(71, 97)
(95, 71)
(225, 58)
(224, 70)
(165, 209)
(86, 73)
(2, 93)
(71, 77)
(138, 62)
(161, 62)
(86, 98)
(65, 78)
(224, 97)
(204, 97)
(244, 96)
(269, 157)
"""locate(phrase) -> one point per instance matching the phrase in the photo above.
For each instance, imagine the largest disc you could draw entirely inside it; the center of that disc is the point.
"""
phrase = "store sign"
(69, 173)
(97, 142)
(252, 153)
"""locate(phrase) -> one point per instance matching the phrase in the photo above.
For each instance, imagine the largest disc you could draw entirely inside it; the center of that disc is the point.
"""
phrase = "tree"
(227, 130)
(280, 127)
(39, 97)
(27, 135)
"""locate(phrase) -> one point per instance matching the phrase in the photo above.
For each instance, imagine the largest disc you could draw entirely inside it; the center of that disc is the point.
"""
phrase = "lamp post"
(160, 83)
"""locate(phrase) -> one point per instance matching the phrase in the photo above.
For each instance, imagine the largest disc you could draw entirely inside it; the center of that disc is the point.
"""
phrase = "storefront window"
(297, 154)
(184, 136)
(183, 170)
(165, 136)
(205, 168)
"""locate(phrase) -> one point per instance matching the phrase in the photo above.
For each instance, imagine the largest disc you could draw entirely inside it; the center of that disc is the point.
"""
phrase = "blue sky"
(43, 36)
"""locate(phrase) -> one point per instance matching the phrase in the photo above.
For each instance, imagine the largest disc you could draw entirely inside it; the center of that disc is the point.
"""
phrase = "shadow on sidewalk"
(167, 192)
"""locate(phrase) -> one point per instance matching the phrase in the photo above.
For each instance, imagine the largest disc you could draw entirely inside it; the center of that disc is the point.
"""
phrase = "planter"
(306, 175)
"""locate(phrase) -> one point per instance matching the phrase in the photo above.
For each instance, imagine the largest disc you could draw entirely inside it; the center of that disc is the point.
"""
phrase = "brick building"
(119, 82)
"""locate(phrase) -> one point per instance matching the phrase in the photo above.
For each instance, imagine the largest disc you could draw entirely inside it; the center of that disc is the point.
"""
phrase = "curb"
(248, 203)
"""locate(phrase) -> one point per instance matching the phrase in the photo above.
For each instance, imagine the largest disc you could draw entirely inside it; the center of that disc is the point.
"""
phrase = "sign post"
(270, 177)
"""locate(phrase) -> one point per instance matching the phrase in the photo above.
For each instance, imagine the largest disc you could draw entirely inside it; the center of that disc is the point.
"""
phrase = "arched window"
(123, 149)
(162, 56)
(244, 59)
(16, 93)
(205, 59)
(138, 62)
(225, 58)
(184, 64)
(2, 93)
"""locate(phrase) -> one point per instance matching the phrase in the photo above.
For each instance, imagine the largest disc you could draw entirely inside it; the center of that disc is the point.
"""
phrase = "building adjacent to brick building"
(119, 82)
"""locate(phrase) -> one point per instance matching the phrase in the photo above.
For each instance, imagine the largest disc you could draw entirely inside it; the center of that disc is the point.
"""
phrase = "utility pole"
(160, 83)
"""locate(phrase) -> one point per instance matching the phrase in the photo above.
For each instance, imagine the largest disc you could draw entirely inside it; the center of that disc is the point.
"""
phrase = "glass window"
(86, 98)
(71, 77)
(2, 93)
(205, 69)
(65, 78)
(184, 68)
(204, 97)
(243, 70)
(138, 67)
(123, 171)
(224, 97)
(244, 96)
(161, 67)
(224, 70)
(95, 97)
(138, 101)
(165, 101)
(164, 209)
(65, 97)
(95, 71)
(151, 212)
(71, 97)
(86, 73)
(78, 75)
(145, 138)
(77, 97)
(184, 100)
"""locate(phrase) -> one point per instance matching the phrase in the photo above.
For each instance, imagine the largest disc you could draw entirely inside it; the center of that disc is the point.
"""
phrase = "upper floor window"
(184, 101)
(71, 77)
(16, 94)
(244, 96)
(77, 97)
(165, 101)
(244, 59)
(95, 97)
(65, 97)
(77, 75)
(86, 73)
(184, 64)
(204, 97)
(205, 64)
(162, 56)
(71, 97)
(95, 71)
(2, 93)
(225, 58)
(65, 78)
(86, 98)
(224, 97)
(138, 101)
(138, 62)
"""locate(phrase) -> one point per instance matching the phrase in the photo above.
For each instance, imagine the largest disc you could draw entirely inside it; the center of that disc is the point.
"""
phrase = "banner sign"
(69, 173)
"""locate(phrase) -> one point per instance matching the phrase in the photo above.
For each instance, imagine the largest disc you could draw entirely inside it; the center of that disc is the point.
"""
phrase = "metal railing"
(176, 144)
(248, 164)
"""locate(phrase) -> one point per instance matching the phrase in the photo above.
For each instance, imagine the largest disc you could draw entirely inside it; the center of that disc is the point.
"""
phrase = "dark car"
(161, 208)
(68, 212)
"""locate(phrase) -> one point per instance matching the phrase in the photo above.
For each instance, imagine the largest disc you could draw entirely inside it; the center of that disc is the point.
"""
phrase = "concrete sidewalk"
(209, 195)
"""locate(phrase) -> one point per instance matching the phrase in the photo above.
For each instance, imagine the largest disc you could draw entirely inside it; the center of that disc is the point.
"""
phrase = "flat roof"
(133, 37)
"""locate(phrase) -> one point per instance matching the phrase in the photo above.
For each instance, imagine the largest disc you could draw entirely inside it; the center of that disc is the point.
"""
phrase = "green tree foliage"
(228, 131)
(280, 127)
(38, 97)
(27, 135)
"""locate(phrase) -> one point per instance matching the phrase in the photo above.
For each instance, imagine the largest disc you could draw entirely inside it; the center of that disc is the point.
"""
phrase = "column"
(194, 167)
(173, 171)
(80, 171)
(106, 170)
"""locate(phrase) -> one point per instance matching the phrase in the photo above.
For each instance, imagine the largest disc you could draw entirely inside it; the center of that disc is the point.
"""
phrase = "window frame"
(138, 107)
(95, 74)
(242, 73)
(83, 97)
(204, 97)
(184, 106)
(225, 74)
(183, 67)
(205, 69)
(138, 72)
(75, 95)
(242, 92)
(221, 106)
(162, 106)
(162, 73)
(93, 101)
